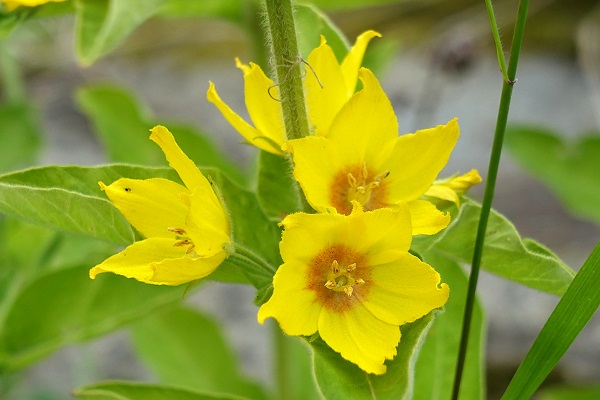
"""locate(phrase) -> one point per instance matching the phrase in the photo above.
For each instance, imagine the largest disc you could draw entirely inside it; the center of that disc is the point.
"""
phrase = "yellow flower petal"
(140, 260)
(178, 271)
(250, 133)
(315, 166)
(354, 58)
(443, 192)
(405, 290)
(417, 159)
(325, 87)
(360, 337)
(365, 127)
(12, 4)
(426, 218)
(380, 234)
(178, 160)
(206, 223)
(294, 307)
(264, 110)
(451, 189)
(318, 227)
(150, 205)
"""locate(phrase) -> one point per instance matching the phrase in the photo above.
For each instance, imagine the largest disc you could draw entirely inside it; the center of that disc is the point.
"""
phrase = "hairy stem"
(288, 67)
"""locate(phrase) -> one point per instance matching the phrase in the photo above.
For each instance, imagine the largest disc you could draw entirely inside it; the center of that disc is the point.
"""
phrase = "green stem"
(286, 57)
(497, 41)
(251, 258)
(489, 189)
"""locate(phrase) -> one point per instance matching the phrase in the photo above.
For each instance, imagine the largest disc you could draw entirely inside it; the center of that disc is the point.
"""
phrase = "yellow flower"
(328, 86)
(12, 4)
(452, 188)
(363, 159)
(185, 227)
(352, 279)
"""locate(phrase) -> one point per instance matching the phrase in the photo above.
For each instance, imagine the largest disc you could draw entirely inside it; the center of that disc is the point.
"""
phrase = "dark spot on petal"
(127, 189)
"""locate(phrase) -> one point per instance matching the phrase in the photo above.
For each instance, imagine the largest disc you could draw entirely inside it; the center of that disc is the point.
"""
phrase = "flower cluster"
(347, 272)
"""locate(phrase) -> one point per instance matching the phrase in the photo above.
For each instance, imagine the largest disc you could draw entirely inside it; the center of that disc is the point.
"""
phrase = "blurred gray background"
(445, 66)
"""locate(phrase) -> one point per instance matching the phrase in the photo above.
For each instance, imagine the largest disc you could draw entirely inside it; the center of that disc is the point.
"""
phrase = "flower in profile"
(12, 4)
(186, 228)
(352, 279)
(451, 189)
(363, 159)
(328, 86)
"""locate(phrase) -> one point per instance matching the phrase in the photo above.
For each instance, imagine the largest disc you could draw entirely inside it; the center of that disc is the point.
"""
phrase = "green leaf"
(66, 306)
(572, 313)
(19, 135)
(69, 198)
(569, 169)
(311, 24)
(137, 391)
(233, 10)
(434, 373)
(192, 353)
(126, 138)
(505, 253)
(103, 24)
(570, 393)
(277, 190)
(340, 379)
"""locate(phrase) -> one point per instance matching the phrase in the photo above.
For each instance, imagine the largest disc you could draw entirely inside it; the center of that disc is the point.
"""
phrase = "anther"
(348, 290)
(335, 267)
(178, 231)
(183, 242)
(351, 267)
(330, 284)
(365, 171)
(359, 281)
(190, 249)
(352, 180)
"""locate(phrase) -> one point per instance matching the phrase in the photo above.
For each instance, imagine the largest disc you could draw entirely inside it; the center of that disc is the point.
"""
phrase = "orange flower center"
(359, 183)
(339, 276)
(181, 239)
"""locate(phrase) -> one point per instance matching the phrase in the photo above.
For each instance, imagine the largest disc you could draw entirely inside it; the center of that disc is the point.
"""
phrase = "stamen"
(352, 180)
(335, 267)
(183, 242)
(348, 290)
(190, 249)
(178, 231)
(365, 171)
(351, 267)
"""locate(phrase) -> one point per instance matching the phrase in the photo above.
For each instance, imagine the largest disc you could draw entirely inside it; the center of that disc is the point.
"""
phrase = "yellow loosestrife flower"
(328, 86)
(363, 159)
(352, 279)
(452, 188)
(12, 4)
(185, 227)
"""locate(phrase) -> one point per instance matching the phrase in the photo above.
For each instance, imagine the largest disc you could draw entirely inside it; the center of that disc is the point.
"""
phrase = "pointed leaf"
(311, 24)
(434, 373)
(126, 138)
(505, 253)
(66, 306)
(572, 313)
(103, 24)
(137, 391)
(192, 353)
(277, 190)
(340, 379)
(69, 198)
(557, 163)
